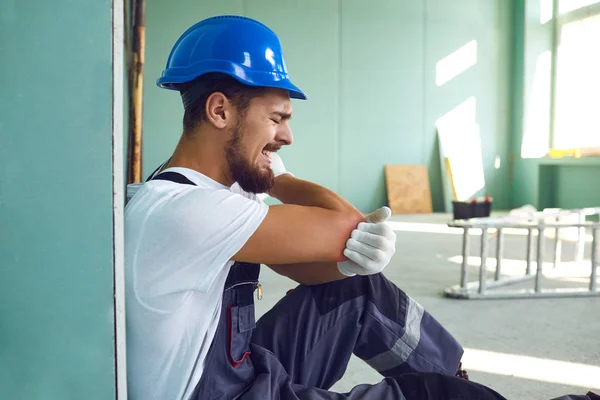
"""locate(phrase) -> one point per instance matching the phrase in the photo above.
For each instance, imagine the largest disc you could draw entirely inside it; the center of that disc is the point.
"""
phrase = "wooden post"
(135, 69)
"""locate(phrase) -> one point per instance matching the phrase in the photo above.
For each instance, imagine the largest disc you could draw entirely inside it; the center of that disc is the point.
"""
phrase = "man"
(196, 234)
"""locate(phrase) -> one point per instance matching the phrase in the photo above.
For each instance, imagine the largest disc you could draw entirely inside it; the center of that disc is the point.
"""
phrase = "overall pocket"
(241, 323)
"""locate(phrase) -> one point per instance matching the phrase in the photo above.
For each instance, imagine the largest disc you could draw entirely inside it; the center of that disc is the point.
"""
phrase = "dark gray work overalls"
(301, 347)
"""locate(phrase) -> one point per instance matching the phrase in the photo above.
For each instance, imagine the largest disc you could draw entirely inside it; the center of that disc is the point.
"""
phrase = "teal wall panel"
(524, 184)
(575, 188)
(56, 259)
(369, 70)
(381, 90)
(564, 183)
(483, 84)
(531, 39)
(517, 77)
(162, 109)
(309, 31)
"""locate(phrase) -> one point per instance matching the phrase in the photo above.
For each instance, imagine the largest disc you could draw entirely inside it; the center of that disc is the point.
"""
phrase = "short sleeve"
(201, 230)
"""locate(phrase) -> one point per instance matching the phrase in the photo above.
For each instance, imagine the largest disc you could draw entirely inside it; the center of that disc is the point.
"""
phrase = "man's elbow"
(346, 222)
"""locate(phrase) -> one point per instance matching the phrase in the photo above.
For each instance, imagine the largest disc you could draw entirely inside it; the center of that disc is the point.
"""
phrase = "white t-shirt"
(179, 240)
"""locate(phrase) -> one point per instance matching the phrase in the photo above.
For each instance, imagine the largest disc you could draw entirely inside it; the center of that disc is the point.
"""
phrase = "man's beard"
(251, 178)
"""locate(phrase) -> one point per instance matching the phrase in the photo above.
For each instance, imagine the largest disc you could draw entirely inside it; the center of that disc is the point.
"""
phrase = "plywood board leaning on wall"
(408, 189)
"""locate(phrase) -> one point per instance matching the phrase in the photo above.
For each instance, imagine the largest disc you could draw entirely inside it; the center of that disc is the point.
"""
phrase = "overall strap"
(153, 174)
(241, 272)
(173, 177)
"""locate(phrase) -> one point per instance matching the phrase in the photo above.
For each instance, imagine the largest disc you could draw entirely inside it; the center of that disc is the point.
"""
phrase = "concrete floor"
(551, 331)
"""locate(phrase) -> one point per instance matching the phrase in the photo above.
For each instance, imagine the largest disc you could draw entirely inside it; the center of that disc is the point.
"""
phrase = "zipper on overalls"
(259, 293)
(257, 287)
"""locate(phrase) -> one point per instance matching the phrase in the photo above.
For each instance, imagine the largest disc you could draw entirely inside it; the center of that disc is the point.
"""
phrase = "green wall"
(564, 183)
(517, 81)
(369, 70)
(56, 276)
(536, 180)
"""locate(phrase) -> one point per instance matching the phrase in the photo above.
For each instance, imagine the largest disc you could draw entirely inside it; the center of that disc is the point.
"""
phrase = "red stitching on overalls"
(234, 363)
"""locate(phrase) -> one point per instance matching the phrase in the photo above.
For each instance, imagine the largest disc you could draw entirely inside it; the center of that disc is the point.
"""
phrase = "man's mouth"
(266, 155)
(267, 151)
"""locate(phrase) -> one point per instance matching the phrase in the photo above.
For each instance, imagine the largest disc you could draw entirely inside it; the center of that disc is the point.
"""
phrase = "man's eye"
(275, 120)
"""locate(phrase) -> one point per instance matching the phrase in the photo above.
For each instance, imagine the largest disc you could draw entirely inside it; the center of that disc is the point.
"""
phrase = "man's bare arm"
(312, 225)
(291, 190)
(309, 273)
(375, 243)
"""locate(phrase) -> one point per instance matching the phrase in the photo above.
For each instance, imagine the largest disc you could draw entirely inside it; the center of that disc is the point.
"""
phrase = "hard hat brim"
(172, 78)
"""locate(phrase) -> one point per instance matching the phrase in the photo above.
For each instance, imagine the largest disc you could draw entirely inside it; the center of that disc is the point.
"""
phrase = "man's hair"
(196, 92)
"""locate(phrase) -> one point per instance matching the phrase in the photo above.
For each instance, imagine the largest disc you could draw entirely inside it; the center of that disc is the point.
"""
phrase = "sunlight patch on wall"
(456, 63)
(536, 135)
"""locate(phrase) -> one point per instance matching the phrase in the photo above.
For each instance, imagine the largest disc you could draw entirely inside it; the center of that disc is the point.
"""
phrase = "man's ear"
(218, 110)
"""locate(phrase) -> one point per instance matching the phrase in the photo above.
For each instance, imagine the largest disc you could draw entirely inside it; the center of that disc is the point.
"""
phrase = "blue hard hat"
(240, 47)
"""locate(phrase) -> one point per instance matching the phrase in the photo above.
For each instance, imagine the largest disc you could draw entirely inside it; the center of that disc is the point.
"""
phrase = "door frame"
(118, 201)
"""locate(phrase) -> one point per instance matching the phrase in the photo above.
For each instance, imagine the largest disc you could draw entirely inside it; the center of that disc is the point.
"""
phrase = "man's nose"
(285, 136)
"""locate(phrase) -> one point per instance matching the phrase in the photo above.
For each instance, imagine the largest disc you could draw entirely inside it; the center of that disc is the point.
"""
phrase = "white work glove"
(371, 245)
(277, 165)
(278, 169)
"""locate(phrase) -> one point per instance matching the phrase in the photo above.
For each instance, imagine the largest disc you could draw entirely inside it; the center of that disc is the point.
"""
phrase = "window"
(565, 6)
(577, 91)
